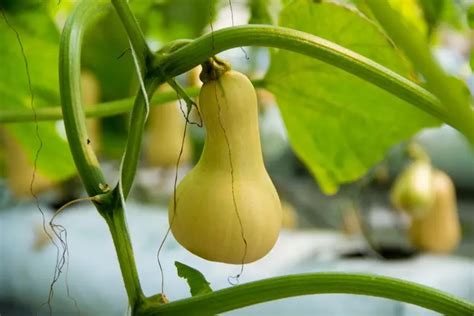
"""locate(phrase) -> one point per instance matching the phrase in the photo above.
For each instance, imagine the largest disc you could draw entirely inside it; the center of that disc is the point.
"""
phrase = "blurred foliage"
(470, 16)
(40, 40)
(432, 12)
(13, 6)
(452, 13)
(106, 53)
(338, 124)
(104, 42)
(425, 15)
(167, 20)
(259, 12)
(412, 13)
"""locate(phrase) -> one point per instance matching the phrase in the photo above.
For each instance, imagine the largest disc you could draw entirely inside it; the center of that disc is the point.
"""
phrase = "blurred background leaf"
(167, 20)
(40, 40)
(106, 54)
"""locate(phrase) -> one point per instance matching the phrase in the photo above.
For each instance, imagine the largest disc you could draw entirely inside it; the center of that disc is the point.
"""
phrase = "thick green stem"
(208, 45)
(110, 205)
(316, 283)
(135, 135)
(417, 50)
(118, 228)
(69, 77)
(148, 85)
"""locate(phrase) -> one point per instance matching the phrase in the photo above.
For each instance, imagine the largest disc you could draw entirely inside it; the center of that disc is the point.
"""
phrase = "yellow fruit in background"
(90, 91)
(289, 215)
(19, 170)
(413, 191)
(165, 135)
(228, 196)
(439, 231)
(351, 221)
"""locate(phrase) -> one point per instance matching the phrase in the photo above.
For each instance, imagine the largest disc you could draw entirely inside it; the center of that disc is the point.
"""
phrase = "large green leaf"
(40, 39)
(338, 124)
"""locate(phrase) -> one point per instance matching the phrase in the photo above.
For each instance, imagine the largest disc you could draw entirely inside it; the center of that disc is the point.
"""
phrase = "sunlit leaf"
(338, 124)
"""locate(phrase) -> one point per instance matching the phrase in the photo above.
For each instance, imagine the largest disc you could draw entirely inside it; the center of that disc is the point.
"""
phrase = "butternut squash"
(413, 191)
(165, 133)
(439, 231)
(227, 208)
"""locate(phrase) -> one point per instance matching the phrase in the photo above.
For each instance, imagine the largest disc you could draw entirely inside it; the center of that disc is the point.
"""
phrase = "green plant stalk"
(208, 45)
(417, 50)
(313, 283)
(69, 78)
(148, 85)
(135, 35)
(135, 135)
(110, 205)
(103, 109)
(118, 228)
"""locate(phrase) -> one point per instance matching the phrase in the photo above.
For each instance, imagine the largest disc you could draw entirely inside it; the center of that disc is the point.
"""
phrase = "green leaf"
(40, 39)
(104, 42)
(197, 282)
(470, 17)
(338, 124)
(172, 19)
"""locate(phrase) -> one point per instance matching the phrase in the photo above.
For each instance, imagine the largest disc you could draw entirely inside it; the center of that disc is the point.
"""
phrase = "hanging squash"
(227, 208)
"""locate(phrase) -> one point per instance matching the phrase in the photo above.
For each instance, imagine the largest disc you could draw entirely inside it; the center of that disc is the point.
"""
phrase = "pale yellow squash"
(19, 169)
(439, 231)
(413, 191)
(165, 135)
(219, 206)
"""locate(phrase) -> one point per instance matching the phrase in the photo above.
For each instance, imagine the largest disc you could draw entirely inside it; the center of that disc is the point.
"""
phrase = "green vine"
(314, 283)
(103, 109)
(110, 204)
(208, 45)
(69, 77)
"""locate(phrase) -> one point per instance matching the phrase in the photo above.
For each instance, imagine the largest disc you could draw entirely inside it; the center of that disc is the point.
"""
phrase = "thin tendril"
(231, 12)
(140, 79)
(175, 200)
(233, 24)
(63, 258)
(186, 116)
